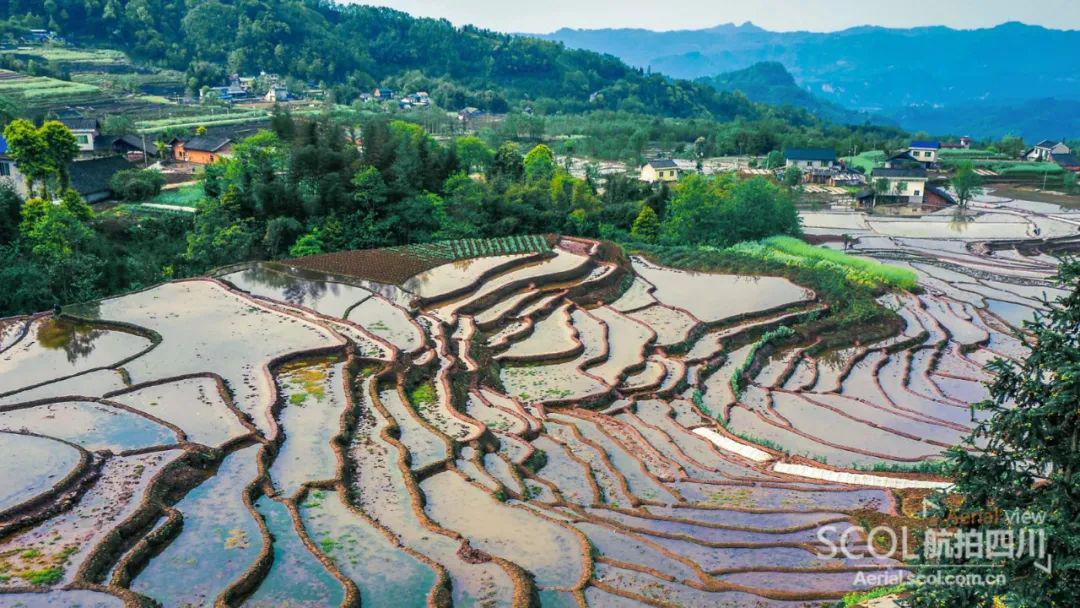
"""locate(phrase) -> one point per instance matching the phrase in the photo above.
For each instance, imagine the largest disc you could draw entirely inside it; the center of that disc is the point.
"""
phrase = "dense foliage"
(1025, 457)
(354, 48)
(769, 82)
(305, 188)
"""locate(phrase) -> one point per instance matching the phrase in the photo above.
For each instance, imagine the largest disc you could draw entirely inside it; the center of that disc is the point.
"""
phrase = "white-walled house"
(810, 158)
(660, 170)
(1045, 150)
(901, 183)
(925, 151)
(85, 131)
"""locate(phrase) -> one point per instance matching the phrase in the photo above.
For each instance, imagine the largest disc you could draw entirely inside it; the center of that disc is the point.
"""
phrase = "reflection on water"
(291, 289)
(960, 221)
(75, 338)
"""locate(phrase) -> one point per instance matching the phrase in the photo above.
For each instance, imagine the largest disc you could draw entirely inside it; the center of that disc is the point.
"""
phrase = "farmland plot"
(505, 419)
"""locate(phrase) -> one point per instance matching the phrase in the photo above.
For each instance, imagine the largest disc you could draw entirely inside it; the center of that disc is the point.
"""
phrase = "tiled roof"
(207, 143)
(887, 172)
(810, 154)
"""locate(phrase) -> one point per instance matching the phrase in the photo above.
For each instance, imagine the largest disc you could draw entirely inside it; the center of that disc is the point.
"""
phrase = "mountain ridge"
(871, 68)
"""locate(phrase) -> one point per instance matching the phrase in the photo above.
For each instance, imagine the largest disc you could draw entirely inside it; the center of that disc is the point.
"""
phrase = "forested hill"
(353, 48)
(770, 83)
(886, 71)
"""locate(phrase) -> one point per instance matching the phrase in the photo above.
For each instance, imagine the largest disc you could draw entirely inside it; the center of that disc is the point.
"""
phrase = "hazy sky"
(541, 16)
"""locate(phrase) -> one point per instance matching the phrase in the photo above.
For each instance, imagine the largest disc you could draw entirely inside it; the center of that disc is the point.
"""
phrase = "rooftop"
(207, 143)
(80, 124)
(914, 173)
(1065, 160)
(810, 154)
(925, 145)
(663, 163)
(90, 176)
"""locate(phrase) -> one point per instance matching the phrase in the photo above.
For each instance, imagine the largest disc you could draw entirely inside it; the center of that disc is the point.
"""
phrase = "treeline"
(631, 137)
(351, 48)
(305, 187)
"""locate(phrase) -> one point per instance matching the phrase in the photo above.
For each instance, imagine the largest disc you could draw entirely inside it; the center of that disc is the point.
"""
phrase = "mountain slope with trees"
(769, 82)
(354, 48)
(874, 69)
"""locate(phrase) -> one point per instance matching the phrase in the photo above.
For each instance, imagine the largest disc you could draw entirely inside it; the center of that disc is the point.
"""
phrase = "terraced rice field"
(551, 426)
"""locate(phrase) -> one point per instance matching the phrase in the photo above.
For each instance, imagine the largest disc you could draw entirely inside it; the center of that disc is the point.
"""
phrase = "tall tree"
(27, 147)
(539, 164)
(966, 183)
(646, 225)
(1025, 457)
(60, 149)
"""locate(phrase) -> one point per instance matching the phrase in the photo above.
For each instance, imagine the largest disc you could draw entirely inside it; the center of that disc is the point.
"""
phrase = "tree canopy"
(1025, 457)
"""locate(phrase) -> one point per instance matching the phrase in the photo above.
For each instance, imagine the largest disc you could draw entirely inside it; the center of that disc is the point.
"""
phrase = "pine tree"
(646, 225)
(1025, 458)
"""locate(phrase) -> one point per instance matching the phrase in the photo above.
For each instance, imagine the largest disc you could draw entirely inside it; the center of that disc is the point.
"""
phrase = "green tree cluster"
(1024, 457)
(725, 210)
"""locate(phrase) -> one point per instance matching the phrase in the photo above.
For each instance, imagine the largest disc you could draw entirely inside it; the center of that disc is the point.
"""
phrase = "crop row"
(44, 88)
(206, 120)
(461, 249)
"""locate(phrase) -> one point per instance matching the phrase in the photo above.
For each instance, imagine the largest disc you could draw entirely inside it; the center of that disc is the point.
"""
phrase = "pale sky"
(779, 15)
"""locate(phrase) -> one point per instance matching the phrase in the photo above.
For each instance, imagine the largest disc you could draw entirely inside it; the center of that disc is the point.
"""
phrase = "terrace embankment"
(525, 421)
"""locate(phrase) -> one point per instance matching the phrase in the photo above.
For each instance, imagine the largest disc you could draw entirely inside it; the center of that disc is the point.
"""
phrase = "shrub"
(137, 184)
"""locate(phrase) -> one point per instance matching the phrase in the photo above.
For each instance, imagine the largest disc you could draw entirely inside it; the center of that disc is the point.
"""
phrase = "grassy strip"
(867, 160)
(207, 120)
(858, 597)
(858, 270)
(936, 467)
(738, 375)
(463, 249)
(184, 196)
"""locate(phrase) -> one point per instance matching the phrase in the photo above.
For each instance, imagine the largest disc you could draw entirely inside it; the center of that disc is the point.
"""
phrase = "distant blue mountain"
(908, 74)
(768, 82)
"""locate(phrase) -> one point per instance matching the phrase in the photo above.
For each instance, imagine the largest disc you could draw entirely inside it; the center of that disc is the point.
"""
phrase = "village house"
(845, 178)
(135, 147)
(1067, 161)
(1045, 150)
(900, 184)
(89, 177)
(277, 94)
(810, 158)
(660, 170)
(85, 130)
(382, 94)
(231, 92)
(925, 152)
(202, 150)
(963, 144)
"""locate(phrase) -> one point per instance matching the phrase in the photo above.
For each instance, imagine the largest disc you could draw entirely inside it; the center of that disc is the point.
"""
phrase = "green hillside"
(355, 48)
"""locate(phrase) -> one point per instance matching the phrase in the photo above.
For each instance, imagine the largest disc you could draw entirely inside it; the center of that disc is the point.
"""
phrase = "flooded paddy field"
(562, 428)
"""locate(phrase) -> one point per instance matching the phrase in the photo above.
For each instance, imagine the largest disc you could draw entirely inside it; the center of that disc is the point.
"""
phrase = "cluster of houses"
(404, 102)
(98, 160)
(250, 89)
(102, 156)
(1052, 151)
(904, 178)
